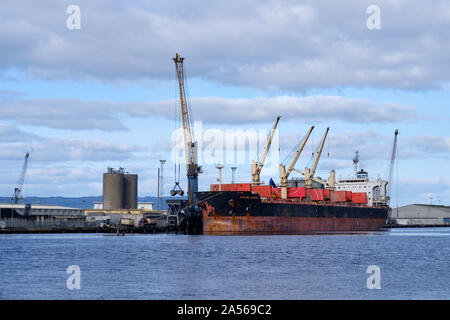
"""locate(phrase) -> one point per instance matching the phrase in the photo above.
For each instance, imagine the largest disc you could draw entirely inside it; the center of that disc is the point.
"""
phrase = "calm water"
(414, 263)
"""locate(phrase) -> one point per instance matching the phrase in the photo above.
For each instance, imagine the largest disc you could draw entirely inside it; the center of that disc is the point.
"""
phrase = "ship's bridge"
(362, 175)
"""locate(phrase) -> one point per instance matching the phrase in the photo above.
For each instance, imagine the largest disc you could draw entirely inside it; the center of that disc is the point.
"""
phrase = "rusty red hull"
(241, 213)
(286, 225)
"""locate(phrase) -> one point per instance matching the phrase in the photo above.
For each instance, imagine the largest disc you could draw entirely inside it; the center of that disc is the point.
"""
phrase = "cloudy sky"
(80, 100)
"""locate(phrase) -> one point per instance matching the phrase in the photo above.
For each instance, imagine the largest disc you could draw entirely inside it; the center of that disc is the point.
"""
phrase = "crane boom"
(297, 154)
(319, 153)
(257, 167)
(309, 173)
(187, 132)
(19, 185)
(391, 168)
(284, 174)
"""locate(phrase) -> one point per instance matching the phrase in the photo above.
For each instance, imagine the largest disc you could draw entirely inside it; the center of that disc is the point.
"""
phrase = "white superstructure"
(375, 189)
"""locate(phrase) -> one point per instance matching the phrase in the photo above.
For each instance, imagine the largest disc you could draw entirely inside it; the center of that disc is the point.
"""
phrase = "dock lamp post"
(161, 193)
(220, 167)
(233, 169)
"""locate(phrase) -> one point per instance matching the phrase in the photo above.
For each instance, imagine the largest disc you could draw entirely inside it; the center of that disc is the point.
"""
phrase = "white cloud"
(12, 134)
(56, 150)
(263, 44)
(430, 145)
(105, 115)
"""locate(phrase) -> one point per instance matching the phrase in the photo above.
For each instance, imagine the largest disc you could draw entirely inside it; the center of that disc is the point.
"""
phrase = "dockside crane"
(309, 173)
(257, 167)
(284, 174)
(391, 168)
(193, 216)
(18, 189)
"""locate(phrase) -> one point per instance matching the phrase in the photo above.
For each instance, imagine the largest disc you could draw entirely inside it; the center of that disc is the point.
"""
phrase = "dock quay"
(25, 218)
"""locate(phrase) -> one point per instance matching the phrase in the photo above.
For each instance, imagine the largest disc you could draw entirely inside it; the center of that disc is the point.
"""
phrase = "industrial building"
(38, 212)
(36, 217)
(421, 215)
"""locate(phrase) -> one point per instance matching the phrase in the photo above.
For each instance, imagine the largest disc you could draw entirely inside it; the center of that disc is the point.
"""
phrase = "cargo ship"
(318, 206)
(313, 205)
(246, 212)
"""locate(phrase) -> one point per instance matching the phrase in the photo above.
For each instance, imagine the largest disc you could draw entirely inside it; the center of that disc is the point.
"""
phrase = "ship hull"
(244, 213)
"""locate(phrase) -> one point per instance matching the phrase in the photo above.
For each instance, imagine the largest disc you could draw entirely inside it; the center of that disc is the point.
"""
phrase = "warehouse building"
(28, 216)
(421, 214)
(38, 212)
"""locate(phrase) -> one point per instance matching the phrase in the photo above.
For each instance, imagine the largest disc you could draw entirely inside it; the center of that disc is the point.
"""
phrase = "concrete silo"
(120, 189)
(130, 188)
(113, 190)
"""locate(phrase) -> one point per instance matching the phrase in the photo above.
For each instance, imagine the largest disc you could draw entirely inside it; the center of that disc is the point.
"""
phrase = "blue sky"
(106, 94)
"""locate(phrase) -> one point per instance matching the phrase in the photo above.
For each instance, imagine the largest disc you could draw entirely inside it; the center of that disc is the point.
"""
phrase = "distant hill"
(81, 202)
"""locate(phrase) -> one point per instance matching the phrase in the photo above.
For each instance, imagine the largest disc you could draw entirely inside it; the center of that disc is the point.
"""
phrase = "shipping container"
(348, 196)
(315, 194)
(263, 191)
(337, 196)
(296, 192)
(359, 197)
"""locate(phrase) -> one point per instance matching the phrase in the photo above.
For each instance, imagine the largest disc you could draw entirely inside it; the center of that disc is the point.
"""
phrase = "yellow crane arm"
(188, 140)
(256, 168)
(319, 152)
(297, 154)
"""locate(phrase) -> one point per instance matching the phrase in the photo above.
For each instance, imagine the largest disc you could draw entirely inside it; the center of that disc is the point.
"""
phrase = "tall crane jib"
(193, 215)
(18, 189)
(257, 167)
(309, 173)
(284, 174)
(391, 168)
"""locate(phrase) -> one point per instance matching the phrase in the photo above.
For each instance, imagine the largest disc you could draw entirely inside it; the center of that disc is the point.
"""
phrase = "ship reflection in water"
(413, 264)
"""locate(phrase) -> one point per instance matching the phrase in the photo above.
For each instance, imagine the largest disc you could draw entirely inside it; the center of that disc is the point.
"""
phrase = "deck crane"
(193, 217)
(257, 167)
(18, 189)
(309, 173)
(284, 174)
(391, 168)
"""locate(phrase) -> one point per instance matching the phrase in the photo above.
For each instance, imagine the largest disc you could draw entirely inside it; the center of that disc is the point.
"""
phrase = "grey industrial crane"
(391, 168)
(18, 189)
